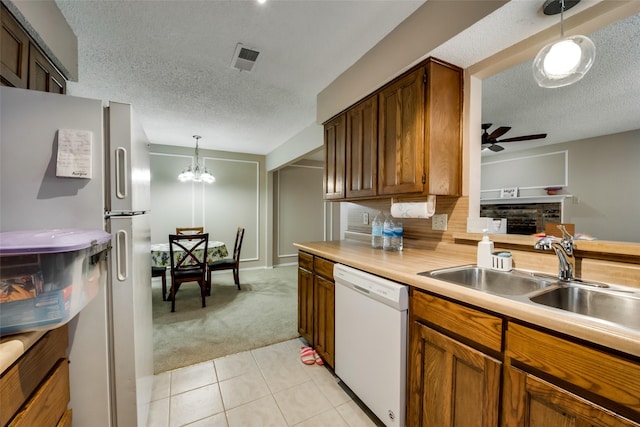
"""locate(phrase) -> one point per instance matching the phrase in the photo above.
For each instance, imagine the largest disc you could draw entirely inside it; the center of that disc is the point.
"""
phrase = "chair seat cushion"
(221, 262)
(188, 272)
(158, 270)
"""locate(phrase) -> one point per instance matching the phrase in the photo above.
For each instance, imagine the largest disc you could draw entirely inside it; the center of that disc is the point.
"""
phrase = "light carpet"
(263, 312)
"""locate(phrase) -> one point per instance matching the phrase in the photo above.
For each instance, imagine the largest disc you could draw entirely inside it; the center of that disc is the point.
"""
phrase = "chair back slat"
(238, 245)
(188, 251)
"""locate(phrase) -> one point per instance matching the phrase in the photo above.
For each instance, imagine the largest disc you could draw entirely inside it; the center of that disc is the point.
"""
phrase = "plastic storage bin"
(48, 276)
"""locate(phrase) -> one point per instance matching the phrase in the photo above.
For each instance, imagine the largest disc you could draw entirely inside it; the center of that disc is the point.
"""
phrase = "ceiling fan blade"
(524, 137)
(495, 148)
(499, 132)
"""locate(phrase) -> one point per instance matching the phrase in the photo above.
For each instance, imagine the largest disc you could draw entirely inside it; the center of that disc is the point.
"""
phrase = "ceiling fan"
(491, 139)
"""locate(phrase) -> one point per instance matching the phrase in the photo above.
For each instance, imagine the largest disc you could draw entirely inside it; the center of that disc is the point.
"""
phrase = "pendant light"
(566, 61)
(196, 173)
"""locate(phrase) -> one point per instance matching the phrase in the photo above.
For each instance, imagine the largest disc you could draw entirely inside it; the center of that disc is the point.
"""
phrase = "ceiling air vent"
(244, 58)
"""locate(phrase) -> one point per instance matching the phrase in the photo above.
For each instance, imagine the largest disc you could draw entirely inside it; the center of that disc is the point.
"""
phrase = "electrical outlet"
(365, 218)
(439, 222)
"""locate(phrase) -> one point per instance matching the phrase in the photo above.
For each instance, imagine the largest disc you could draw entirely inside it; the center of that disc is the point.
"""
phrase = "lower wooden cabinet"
(316, 304)
(470, 367)
(533, 402)
(452, 384)
(34, 391)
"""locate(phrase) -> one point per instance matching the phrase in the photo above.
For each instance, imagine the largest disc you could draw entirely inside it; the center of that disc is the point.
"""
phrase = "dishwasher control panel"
(384, 290)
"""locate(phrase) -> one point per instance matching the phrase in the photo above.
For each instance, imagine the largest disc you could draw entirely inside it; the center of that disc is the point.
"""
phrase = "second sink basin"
(615, 306)
(492, 281)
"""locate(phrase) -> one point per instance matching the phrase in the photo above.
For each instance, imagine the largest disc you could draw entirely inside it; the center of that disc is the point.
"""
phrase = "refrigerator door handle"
(121, 173)
(122, 255)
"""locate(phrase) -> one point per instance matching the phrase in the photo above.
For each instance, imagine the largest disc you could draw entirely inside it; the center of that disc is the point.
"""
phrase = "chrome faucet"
(564, 249)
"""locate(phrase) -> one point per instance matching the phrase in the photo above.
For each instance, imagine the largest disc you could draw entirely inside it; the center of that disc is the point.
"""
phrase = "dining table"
(161, 254)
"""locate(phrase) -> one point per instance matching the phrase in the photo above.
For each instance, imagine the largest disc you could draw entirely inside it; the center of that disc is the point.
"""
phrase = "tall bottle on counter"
(376, 231)
(392, 234)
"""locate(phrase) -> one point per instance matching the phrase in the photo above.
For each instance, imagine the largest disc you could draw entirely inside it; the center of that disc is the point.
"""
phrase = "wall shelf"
(526, 199)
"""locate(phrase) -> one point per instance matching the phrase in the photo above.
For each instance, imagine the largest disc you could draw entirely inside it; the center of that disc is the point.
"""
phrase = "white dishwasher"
(371, 341)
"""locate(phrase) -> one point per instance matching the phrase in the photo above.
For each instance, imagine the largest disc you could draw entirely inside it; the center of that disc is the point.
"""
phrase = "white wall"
(299, 209)
(604, 178)
(236, 199)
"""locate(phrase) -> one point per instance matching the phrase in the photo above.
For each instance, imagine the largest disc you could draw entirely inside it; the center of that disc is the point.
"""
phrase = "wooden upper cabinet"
(42, 75)
(401, 136)
(23, 64)
(334, 158)
(15, 52)
(362, 143)
(419, 142)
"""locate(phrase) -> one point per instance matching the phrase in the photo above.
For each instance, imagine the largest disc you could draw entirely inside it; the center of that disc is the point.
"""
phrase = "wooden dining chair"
(228, 263)
(189, 230)
(162, 273)
(188, 255)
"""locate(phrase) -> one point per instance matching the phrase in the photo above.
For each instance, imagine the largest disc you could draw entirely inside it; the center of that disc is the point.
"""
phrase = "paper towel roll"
(414, 209)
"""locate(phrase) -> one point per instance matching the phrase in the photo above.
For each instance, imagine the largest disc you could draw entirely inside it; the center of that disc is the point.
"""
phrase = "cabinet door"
(401, 155)
(324, 319)
(42, 75)
(14, 44)
(532, 402)
(450, 384)
(305, 304)
(334, 158)
(362, 144)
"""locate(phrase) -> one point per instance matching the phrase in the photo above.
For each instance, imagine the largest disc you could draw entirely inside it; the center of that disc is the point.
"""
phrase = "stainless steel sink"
(614, 305)
(496, 282)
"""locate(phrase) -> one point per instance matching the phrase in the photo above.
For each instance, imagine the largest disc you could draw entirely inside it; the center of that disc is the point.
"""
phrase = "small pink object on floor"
(318, 359)
(307, 355)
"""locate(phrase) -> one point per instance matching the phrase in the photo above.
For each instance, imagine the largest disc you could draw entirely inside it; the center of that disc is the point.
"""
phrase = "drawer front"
(24, 376)
(49, 403)
(305, 261)
(323, 268)
(473, 325)
(600, 373)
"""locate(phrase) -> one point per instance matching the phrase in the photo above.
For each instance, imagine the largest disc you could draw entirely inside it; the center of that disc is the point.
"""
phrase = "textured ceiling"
(171, 60)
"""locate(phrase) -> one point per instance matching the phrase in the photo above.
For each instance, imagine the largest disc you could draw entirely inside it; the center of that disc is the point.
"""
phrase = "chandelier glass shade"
(563, 62)
(194, 172)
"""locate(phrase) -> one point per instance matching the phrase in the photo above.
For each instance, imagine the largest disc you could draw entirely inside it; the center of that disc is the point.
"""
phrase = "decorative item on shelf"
(195, 172)
(509, 193)
(566, 61)
(552, 191)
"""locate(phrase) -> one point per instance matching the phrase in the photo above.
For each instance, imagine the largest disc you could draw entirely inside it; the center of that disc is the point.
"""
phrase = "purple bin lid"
(49, 241)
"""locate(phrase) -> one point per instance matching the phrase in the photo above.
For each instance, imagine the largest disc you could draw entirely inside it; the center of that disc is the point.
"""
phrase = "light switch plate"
(365, 218)
(439, 222)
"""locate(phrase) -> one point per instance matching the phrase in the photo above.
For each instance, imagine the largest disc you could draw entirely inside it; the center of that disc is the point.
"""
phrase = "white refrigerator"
(110, 341)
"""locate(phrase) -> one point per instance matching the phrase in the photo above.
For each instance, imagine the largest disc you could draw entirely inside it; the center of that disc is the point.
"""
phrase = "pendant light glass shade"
(196, 173)
(566, 61)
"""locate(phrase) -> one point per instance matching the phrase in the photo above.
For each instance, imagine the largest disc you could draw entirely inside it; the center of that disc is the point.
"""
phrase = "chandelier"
(196, 173)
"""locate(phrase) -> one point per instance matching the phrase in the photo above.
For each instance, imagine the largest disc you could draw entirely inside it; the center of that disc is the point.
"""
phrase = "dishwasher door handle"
(361, 290)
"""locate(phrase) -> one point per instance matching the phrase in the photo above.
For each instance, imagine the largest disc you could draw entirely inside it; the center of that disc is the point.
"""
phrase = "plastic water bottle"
(387, 234)
(397, 239)
(376, 231)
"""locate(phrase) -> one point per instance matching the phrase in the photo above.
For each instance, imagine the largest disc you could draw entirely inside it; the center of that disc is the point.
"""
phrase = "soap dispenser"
(485, 251)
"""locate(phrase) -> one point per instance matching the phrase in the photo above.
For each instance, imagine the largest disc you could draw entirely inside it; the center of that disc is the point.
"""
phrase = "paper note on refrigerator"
(74, 153)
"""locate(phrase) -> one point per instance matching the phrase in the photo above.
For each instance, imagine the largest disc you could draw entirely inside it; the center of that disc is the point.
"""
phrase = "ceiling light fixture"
(196, 173)
(563, 62)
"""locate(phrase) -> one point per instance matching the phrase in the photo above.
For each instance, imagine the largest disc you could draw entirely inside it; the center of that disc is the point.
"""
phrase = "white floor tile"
(195, 405)
(234, 365)
(192, 377)
(261, 412)
(328, 418)
(245, 388)
(268, 386)
(159, 413)
(301, 402)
